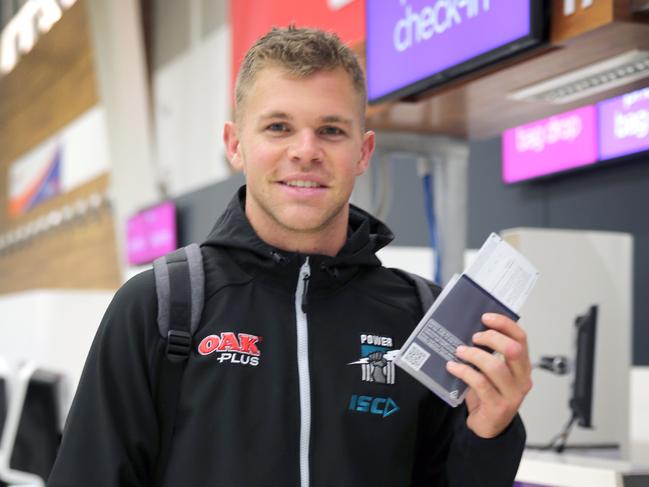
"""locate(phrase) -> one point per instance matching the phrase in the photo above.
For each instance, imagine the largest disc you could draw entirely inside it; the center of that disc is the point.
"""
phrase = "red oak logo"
(231, 345)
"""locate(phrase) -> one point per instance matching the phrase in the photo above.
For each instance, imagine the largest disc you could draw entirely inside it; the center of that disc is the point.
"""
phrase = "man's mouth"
(297, 183)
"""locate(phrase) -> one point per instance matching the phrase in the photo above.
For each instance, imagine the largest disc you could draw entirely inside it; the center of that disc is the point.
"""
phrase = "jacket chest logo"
(377, 359)
(236, 348)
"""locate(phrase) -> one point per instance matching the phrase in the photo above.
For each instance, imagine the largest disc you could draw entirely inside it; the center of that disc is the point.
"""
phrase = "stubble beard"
(284, 227)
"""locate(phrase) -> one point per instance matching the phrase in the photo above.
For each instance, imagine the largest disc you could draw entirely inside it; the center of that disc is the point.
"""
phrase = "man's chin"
(304, 226)
(304, 221)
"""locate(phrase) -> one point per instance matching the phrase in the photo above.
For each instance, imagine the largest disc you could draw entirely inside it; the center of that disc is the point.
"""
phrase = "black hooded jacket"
(289, 383)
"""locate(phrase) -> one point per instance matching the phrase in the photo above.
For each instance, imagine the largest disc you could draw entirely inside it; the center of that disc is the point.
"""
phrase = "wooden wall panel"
(50, 87)
(584, 20)
(79, 254)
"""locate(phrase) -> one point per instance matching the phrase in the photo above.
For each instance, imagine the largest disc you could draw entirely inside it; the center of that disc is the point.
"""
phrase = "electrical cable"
(558, 442)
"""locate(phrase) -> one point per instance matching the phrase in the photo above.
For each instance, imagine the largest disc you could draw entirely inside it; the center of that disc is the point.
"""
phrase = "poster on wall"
(72, 157)
(35, 178)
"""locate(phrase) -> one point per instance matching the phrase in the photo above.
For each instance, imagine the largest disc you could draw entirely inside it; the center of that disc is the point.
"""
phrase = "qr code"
(415, 356)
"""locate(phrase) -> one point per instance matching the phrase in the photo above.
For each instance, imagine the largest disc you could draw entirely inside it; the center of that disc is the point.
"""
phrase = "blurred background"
(529, 118)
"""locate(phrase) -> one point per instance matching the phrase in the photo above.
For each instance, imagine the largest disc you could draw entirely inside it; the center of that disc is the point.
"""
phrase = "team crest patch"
(236, 348)
(377, 359)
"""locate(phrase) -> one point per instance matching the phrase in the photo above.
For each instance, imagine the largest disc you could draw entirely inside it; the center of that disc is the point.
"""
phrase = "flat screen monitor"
(581, 402)
(151, 233)
(414, 45)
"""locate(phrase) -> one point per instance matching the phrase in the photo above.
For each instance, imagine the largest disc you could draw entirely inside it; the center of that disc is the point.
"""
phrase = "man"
(274, 393)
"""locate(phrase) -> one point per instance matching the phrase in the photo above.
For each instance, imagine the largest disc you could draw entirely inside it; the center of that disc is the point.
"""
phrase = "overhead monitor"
(551, 145)
(624, 125)
(414, 45)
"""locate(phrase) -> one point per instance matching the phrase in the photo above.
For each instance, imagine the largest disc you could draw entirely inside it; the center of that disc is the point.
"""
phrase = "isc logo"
(373, 405)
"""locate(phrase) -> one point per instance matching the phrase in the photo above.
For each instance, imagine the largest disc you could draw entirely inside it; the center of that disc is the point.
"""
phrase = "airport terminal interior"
(505, 129)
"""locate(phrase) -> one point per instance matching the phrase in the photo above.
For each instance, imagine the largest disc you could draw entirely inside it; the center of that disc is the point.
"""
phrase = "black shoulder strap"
(180, 288)
(426, 290)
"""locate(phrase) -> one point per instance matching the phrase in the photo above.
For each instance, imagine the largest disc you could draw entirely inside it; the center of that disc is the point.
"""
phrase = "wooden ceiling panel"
(49, 87)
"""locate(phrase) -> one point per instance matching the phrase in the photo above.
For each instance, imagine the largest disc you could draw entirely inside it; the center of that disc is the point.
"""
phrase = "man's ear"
(367, 149)
(232, 147)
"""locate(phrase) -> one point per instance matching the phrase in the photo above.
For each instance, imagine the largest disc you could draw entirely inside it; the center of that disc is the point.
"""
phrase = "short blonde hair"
(301, 52)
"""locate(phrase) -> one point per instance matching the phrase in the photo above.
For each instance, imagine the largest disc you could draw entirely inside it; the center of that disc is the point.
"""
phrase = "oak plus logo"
(239, 348)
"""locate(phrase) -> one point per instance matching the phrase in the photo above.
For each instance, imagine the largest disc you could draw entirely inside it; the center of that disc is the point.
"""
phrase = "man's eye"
(277, 127)
(332, 131)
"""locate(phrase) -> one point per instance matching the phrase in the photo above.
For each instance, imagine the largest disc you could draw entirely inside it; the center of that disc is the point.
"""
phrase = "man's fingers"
(496, 371)
(511, 349)
(506, 326)
(483, 388)
(508, 338)
(515, 355)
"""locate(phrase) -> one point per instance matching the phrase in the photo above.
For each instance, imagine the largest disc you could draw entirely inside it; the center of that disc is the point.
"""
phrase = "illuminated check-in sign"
(411, 43)
(624, 124)
(551, 145)
(21, 33)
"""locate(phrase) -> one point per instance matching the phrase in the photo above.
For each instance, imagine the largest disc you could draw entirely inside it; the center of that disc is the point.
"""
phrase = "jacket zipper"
(303, 370)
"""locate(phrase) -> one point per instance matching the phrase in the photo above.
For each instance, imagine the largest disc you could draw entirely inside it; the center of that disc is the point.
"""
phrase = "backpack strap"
(426, 290)
(180, 288)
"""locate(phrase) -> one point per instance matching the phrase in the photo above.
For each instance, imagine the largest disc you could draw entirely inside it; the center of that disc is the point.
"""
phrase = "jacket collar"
(233, 232)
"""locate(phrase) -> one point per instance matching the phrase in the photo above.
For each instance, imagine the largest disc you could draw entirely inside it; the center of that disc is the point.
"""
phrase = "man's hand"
(498, 388)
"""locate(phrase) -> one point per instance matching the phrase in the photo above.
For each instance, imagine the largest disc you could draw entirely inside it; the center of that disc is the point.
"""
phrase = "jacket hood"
(365, 236)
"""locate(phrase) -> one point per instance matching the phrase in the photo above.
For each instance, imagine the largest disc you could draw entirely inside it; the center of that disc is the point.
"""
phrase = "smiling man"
(290, 381)
(300, 140)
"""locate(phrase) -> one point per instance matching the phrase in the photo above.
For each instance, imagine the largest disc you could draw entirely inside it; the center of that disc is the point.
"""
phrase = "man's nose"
(305, 147)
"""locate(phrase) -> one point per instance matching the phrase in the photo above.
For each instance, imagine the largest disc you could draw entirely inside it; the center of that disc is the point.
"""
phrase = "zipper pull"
(305, 289)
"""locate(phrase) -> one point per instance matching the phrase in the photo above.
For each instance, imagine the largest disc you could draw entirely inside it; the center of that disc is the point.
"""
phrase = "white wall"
(417, 260)
(191, 104)
(639, 415)
(53, 328)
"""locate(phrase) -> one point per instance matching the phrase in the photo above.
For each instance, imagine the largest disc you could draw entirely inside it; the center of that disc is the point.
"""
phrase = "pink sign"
(551, 145)
(151, 233)
(624, 124)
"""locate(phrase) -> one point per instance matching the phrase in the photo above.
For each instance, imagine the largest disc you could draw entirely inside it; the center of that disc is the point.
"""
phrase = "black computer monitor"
(581, 402)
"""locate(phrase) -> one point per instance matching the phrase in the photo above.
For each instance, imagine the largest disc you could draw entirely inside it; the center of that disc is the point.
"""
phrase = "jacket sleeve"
(449, 454)
(111, 433)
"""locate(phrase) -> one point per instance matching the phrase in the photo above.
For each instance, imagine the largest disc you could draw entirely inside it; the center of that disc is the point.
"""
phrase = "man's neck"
(324, 241)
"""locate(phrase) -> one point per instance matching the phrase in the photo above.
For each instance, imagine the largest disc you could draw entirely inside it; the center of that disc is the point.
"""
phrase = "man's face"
(301, 145)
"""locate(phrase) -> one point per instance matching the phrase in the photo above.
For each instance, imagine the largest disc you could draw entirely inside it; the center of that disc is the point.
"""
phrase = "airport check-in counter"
(550, 469)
